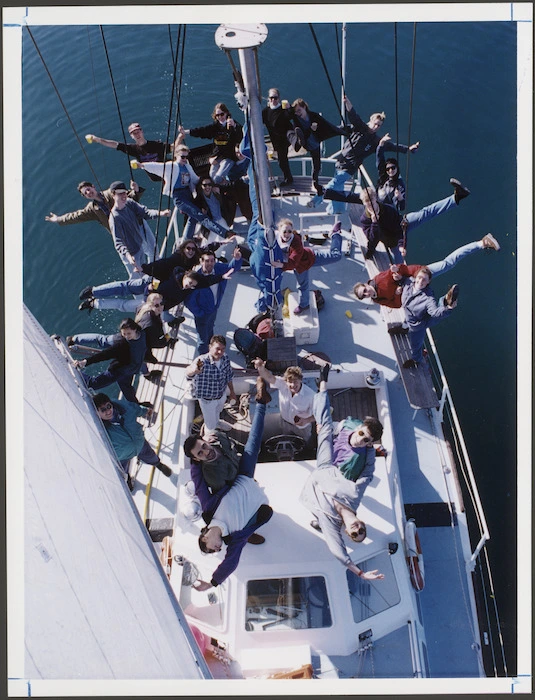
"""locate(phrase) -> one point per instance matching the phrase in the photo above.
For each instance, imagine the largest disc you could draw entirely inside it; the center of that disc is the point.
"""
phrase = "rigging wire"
(115, 95)
(396, 84)
(95, 92)
(169, 120)
(63, 105)
(413, 63)
(320, 52)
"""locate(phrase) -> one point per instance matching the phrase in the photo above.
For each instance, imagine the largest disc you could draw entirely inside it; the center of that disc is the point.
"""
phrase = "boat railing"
(446, 401)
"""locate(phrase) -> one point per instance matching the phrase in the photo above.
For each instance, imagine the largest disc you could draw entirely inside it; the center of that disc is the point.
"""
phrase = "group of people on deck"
(234, 506)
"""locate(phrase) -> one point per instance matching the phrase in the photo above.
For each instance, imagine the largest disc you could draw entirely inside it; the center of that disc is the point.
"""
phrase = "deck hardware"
(373, 378)
(392, 547)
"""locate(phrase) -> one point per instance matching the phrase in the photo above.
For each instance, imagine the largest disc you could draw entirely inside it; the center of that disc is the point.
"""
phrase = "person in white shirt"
(296, 399)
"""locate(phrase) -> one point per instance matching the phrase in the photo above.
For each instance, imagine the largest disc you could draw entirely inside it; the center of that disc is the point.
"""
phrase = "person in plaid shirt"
(211, 373)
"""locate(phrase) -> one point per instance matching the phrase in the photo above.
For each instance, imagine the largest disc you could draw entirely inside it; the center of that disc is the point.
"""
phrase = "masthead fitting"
(240, 36)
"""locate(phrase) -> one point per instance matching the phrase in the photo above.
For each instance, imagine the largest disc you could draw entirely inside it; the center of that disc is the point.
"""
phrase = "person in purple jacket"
(238, 509)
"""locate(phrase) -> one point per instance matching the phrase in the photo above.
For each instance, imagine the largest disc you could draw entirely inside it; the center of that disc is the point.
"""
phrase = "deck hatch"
(430, 514)
(300, 602)
(369, 598)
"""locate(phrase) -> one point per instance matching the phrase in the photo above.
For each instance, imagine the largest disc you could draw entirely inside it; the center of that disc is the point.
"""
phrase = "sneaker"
(69, 340)
(256, 539)
(299, 309)
(154, 375)
(86, 293)
(167, 471)
(451, 295)
(490, 242)
(336, 228)
(410, 364)
(146, 404)
(324, 372)
(176, 321)
(459, 191)
(315, 524)
(398, 330)
(87, 305)
(368, 255)
(287, 181)
(262, 394)
(319, 188)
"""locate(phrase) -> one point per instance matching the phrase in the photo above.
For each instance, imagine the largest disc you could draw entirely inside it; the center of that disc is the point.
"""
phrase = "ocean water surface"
(463, 114)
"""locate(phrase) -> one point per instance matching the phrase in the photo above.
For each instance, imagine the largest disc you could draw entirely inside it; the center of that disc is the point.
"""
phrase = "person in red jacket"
(300, 258)
(385, 288)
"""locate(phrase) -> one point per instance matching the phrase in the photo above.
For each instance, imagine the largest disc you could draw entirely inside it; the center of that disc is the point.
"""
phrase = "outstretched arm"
(263, 371)
(368, 575)
(109, 143)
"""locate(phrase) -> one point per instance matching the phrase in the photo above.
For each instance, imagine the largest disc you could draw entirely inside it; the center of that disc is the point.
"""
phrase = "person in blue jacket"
(422, 310)
(204, 303)
(238, 509)
(126, 434)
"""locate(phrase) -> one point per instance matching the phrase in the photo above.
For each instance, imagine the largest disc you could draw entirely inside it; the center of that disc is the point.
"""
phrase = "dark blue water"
(463, 114)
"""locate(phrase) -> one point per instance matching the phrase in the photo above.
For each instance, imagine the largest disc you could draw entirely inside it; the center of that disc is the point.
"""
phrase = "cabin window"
(287, 603)
(368, 598)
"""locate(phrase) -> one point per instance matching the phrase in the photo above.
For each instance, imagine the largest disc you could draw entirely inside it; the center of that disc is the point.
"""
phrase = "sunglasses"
(364, 437)
(273, 97)
(190, 247)
(105, 407)
(391, 167)
(183, 155)
(221, 114)
(206, 184)
(357, 533)
(157, 303)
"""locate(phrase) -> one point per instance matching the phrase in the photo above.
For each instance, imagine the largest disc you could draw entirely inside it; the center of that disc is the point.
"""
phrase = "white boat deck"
(354, 335)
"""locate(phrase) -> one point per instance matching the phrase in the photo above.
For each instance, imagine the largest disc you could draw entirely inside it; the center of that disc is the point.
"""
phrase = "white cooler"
(305, 327)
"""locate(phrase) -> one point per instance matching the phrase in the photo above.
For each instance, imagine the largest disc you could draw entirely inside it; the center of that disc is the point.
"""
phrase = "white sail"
(97, 603)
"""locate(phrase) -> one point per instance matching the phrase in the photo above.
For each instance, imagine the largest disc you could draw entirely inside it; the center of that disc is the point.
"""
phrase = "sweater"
(96, 210)
(125, 433)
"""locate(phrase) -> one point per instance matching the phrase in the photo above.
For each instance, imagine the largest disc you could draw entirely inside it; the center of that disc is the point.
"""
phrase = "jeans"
(95, 339)
(417, 336)
(106, 378)
(442, 266)
(220, 169)
(323, 418)
(254, 441)
(417, 218)
(147, 455)
(205, 329)
(186, 206)
(322, 257)
(136, 287)
(337, 183)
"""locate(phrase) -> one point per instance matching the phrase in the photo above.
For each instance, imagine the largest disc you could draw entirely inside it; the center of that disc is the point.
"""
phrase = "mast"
(246, 38)
(342, 106)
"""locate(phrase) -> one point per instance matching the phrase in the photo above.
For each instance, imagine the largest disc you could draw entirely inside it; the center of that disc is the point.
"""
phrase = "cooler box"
(305, 328)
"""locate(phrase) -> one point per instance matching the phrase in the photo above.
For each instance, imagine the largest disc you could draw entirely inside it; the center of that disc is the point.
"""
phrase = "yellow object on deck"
(349, 314)
(285, 308)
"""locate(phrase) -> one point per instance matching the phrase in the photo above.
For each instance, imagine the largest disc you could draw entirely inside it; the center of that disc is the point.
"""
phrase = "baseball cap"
(118, 186)
(133, 127)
